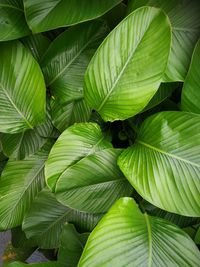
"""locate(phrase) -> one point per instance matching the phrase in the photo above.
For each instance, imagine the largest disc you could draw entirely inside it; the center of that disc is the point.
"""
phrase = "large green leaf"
(19, 184)
(18, 146)
(44, 224)
(75, 143)
(126, 72)
(12, 20)
(47, 14)
(94, 183)
(67, 58)
(190, 100)
(70, 252)
(22, 89)
(164, 164)
(126, 238)
(185, 19)
(66, 114)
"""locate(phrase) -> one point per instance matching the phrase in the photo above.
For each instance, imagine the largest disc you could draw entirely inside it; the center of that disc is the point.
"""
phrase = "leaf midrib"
(149, 230)
(167, 154)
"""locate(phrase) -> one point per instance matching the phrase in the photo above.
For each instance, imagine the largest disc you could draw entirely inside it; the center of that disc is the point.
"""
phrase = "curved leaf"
(67, 58)
(94, 183)
(22, 89)
(12, 20)
(47, 15)
(126, 72)
(185, 19)
(70, 252)
(44, 225)
(126, 237)
(19, 184)
(65, 115)
(191, 90)
(164, 164)
(75, 143)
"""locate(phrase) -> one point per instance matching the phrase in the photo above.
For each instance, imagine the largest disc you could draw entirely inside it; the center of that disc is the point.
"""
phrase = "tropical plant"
(100, 132)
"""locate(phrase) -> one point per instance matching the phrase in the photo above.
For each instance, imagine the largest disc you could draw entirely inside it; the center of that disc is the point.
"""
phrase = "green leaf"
(19, 184)
(18, 146)
(37, 45)
(185, 19)
(197, 237)
(75, 143)
(191, 90)
(47, 15)
(94, 183)
(126, 237)
(12, 20)
(164, 165)
(44, 225)
(126, 72)
(67, 58)
(66, 114)
(43, 264)
(22, 89)
(70, 252)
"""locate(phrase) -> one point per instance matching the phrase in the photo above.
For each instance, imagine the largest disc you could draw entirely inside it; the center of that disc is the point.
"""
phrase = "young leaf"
(22, 89)
(164, 165)
(190, 100)
(75, 143)
(185, 19)
(47, 15)
(126, 237)
(44, 225)
(94, 183)
(67, 58)
(71, 248)
(12, 20)
(19, 184)
(126, 72)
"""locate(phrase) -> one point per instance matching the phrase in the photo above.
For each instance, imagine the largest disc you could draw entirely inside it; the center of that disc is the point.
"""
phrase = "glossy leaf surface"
(164, 164)
(19, 184)
(126, 237)
(47, 15)
(185, 19)
(191, 90)
(94, 183)
(22, 89)
(125, 72)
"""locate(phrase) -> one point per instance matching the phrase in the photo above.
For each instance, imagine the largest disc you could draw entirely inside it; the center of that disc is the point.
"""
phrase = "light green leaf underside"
(44, 225)
(37, 45)
(190, 100)
(12, 20)
(75, 143)
(66, 114)
(126, 238)
(70, 252)
(48, 15)
(22, 89)
(65, 62)
(185, 19)
(126, 72)
(164, 164)
(19, 184)
(94, 183)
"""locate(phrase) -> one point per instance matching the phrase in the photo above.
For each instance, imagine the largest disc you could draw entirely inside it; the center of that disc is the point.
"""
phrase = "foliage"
(100, 132)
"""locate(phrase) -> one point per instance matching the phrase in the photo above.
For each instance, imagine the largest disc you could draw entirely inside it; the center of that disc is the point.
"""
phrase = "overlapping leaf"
(12, 20)
(47, 15)
(191, 90)
(22, 89)
(164, 164)
(126, 72)
(185, 19)
(126, 237)
(19, 184)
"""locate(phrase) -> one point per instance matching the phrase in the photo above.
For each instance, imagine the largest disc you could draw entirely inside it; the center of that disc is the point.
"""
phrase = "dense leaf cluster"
(100, 132)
